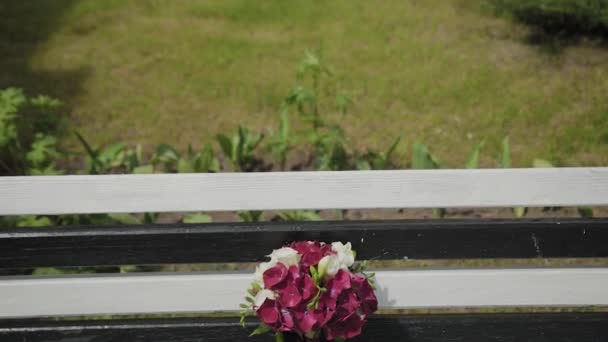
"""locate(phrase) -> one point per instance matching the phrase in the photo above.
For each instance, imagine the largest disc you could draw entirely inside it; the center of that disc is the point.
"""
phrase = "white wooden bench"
(29, 305)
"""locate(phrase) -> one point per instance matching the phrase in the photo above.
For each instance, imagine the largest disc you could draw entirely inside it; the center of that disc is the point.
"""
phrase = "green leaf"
(263, 328)
(473, 162)
(110, 153)
(391, 150)
(33, 221)
(185, 166)
(278, 336)
(51, 271)
(586, 212)
(225, 144)
(343, 101)
(439, 212)
(197, 218)
(520, 211)
(541, 163)
(150, 218)
(125, 218)
(422, 158)
(251, 215)
(144, 169)
(299, 215)
(94, 167)
(244, 306)
(505, 157)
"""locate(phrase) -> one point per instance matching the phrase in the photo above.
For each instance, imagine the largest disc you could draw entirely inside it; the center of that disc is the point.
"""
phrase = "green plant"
(251, 215)
(299, 215)
(328, 141)
(11, 101)
(114, 158)
(240, 149)
(42, 156)
(311, 66)
(330, 151)
(166, 157)
(196, 218)
(282, 142)
(100, 160)
(473, 161)
(423, 159)
(26, 122)
(197, 162)
(33, 221)
(372, 160)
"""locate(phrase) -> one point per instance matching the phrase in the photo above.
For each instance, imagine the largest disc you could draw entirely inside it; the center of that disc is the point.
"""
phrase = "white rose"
(344, 253)
(261, 296)
(329, 266)
(260, 269)
(286, 256)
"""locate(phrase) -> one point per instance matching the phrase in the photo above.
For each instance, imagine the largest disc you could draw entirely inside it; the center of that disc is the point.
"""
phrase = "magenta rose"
(275, 276)
(268, 312)
(312, 252)
(365, 292)
(344, 326)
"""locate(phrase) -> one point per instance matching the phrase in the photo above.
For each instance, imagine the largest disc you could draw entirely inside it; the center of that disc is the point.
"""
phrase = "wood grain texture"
(183, 293)
(304, 190)
(541, 327)
(245, 242)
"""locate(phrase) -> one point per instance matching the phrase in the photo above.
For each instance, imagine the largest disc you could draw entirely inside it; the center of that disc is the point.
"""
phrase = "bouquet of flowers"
(310, 289)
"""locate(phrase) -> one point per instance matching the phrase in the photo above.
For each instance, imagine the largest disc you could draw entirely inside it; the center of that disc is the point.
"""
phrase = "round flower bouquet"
(311, 291)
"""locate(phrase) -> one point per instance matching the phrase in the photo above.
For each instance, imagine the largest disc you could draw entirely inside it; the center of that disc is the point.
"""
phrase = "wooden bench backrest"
(26, 297)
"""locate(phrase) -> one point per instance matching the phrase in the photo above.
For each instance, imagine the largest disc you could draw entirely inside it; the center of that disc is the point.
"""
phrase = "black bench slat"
(539, 327)
(241, 242)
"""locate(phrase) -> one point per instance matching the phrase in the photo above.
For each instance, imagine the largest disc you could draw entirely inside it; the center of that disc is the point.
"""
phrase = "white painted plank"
(181, 293)
(304, 190)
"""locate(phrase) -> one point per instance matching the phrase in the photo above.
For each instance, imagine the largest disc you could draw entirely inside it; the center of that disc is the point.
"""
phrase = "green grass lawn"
(444, 72)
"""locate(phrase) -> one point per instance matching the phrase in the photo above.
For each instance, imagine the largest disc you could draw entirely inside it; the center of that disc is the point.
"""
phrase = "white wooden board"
(182, 293)
(304, 190)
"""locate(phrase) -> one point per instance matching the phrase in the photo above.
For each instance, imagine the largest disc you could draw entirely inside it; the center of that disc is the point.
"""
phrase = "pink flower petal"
(268, 312)
(290, 296)
(274, 276)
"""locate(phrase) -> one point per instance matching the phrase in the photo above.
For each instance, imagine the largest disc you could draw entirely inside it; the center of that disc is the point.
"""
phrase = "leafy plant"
(42, 156)
(299, 215)
(586, 212)
(23, 123)
(372, 160)
(330, 150)
(33, 221)
(473, 161)
(198, 162)
(251, 215)
(100, 160)
(240, 149)
(11, 101)
(423, 159)
(196, 218)
(165, 156)
(311, 66)
(282, 142)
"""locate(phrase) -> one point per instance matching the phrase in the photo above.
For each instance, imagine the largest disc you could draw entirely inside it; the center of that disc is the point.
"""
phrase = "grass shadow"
(24, 27)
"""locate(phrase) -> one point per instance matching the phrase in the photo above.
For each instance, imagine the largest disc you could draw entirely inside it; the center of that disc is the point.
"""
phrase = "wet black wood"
(240, 242)
(547, 327)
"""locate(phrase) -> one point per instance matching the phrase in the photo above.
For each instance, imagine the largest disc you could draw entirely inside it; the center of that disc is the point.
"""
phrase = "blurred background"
(142, 86)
